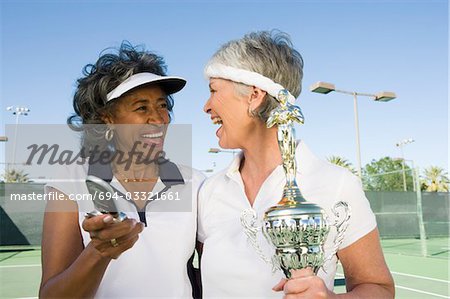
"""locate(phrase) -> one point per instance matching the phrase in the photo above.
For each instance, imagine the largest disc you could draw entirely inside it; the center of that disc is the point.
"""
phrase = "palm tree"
(342, 162)
(435, 179)
(16, 176)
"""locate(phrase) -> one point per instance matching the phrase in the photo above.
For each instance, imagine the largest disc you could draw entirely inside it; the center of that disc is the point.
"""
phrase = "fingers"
(101, 227)
(306, 272)
(305, 285)
(107, 250)
(97, 222)
(302, 273)
(124, 245)
(124, 234)
(117, 230)
(297, 285)
(279, 286)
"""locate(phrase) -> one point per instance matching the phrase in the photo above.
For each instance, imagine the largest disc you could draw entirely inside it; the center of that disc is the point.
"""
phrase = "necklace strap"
(127, 180)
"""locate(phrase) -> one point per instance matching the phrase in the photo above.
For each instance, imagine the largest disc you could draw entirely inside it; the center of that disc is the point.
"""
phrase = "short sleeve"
(64, 179)
(362, 219)
(201, 234)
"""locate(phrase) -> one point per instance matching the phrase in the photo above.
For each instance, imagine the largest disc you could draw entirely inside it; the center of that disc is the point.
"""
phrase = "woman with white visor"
(128, 96)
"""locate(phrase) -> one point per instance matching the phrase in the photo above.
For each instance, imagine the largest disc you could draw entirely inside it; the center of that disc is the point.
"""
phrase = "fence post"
(423, 235)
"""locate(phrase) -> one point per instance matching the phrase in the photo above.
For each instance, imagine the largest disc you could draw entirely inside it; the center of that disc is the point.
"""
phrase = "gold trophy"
(296, 228)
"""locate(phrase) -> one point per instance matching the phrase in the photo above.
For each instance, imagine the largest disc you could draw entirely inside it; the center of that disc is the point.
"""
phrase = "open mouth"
(217, 121)
(153, 135)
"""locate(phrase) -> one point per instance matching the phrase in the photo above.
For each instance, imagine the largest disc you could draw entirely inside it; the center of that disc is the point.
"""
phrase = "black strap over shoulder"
(168, 172)
(100, 169)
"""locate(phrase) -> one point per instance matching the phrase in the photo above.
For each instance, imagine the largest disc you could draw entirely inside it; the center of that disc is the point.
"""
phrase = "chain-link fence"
(410, 213)
(399, 214)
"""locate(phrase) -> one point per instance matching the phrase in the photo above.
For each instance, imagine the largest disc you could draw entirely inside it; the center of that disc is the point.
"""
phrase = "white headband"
(217, 70)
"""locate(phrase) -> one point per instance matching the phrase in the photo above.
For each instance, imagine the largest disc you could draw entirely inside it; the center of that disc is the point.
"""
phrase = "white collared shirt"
(230, 265)
(155, 267)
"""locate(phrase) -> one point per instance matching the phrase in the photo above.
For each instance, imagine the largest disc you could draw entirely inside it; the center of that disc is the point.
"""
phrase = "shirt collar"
(235, 164)
(170, 174)
(305, 159)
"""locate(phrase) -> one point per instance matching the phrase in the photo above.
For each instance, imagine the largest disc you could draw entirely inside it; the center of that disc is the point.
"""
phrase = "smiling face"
(229, 110)
(140, 117)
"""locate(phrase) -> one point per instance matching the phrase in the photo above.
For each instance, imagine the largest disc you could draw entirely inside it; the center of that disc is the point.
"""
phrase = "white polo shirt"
(229, 264)
(155, 267)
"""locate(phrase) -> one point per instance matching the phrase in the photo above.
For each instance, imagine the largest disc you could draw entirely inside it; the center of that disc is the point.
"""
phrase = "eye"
(141, 108)
(163, 105)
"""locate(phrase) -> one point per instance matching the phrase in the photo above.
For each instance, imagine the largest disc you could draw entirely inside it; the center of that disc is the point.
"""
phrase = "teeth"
(217, 120)
(154, 135)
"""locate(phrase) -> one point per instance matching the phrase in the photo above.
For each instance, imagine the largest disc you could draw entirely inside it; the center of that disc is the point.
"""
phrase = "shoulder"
(212, 187)
(214, 182)
(191, 175)
(317, 171)
(67, 176)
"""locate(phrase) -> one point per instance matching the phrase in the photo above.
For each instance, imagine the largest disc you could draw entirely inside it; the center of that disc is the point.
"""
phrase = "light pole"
(214, 150)
(412, 170)
(401, 144)
(384, 96)
(17, 111)
(209, 170)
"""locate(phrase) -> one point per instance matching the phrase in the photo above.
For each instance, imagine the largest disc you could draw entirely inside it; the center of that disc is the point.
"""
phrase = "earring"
(109, 134)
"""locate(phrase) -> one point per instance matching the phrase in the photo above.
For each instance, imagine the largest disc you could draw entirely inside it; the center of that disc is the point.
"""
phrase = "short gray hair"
(269, 53)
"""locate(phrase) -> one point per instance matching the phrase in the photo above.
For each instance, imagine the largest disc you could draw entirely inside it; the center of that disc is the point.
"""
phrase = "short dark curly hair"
(111, 69)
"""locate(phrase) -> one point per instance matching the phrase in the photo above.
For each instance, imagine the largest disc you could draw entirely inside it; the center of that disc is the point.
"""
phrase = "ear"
(106, 118)
(257, 97)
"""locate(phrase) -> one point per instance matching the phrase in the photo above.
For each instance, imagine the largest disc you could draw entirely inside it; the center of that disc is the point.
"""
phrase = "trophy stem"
(291, 195)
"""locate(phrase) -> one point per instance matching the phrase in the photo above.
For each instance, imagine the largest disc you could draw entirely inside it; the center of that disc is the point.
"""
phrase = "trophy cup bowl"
(298, 233)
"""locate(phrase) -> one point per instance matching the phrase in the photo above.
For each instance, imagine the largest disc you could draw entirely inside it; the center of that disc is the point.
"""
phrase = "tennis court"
(415, 276)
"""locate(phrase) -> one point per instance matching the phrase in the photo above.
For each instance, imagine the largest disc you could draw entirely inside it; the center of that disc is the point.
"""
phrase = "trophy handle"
(341, 224)
(249, 222)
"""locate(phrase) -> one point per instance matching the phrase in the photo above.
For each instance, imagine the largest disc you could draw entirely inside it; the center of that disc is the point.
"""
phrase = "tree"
(386, 174)
(16, 176)
(435, 179)
(340, 161)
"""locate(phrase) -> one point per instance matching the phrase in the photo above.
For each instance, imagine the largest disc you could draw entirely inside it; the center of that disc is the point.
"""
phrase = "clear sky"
(364, 46)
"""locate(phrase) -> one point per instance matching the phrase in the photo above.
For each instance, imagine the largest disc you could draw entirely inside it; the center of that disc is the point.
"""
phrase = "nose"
(207, 108)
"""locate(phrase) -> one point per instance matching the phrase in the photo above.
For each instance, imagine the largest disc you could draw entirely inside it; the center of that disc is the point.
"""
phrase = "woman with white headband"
(245, 77)
(123, 105)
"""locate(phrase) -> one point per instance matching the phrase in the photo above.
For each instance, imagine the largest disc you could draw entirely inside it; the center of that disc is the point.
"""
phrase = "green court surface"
(415, 276)
(435, 247)
(20, 273)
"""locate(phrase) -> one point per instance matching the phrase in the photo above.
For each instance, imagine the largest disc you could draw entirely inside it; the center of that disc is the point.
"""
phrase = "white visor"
(169, 84)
